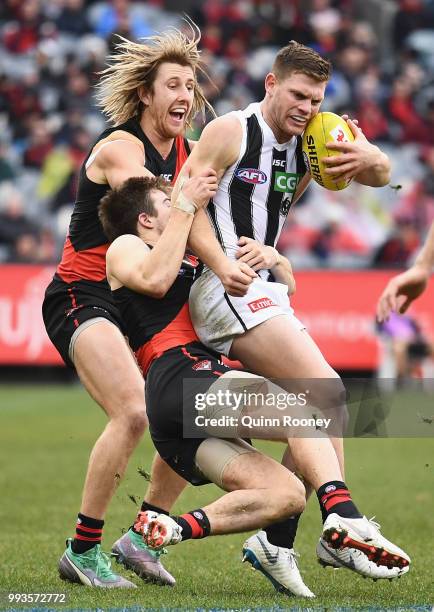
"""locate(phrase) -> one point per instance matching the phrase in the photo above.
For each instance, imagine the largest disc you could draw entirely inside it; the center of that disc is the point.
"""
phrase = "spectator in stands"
(21, 36)
(368, 110)
(119, 13)
(336, 238)
(417, 203)
(401, 109)
(22, 99)
(76, 93)
(7, 172)
(58, 181)
(21, 240)
(405, 344)
(39, 145)
(73, 18)
(411, 15)
(427, 138)
(51, 52)
(396, 251)
(13, 221)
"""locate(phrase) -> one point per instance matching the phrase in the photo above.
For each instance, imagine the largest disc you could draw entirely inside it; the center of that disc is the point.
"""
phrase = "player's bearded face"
(170, 102)
(295, 100)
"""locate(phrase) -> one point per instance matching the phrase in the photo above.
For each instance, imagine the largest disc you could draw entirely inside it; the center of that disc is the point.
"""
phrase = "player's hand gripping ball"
(322, 129)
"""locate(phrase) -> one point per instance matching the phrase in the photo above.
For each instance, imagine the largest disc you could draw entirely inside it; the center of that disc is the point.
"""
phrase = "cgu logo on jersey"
(251, 176)
(286, 182)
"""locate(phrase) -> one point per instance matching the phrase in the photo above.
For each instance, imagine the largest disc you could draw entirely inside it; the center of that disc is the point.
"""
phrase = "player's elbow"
(156, 288)
(158, 284)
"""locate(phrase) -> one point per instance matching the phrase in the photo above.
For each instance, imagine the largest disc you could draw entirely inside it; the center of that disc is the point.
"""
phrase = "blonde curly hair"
(135, 65)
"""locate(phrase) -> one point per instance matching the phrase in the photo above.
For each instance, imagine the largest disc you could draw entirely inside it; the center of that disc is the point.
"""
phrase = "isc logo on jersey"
(251, 175)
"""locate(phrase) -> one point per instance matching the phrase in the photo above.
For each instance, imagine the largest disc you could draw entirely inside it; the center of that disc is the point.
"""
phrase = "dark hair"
(298, 58)
(119, 208)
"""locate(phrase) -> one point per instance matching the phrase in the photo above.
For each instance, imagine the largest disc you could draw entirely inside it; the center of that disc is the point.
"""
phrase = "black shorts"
(68, 305)
(166, 397)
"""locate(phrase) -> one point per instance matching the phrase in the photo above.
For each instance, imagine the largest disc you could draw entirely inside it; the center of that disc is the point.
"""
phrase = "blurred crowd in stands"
(383, 57)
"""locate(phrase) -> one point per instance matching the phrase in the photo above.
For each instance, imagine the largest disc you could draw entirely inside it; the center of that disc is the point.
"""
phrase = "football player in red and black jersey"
(149, 93)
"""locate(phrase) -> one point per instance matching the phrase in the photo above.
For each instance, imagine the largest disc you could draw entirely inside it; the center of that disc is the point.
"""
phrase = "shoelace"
(140, 543)
(176, 534)
(293, 555)
(96, 557)
(90, 558)
(375, 524)
(154, 553)
(103, 565)
(157, 553)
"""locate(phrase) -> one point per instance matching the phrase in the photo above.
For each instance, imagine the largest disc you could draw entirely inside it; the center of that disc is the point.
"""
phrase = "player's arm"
(404, 288)
(131, 263)
(301, 187)
(217, 148)
(360, 160)
(283, 273)
(262, 257)
(118, 160)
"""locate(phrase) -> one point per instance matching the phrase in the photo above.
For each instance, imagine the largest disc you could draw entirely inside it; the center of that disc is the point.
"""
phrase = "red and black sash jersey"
(153, 325)
(86, 244)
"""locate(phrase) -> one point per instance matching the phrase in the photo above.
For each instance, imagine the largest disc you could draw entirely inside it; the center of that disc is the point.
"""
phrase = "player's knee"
(297, 498)
(328, 392)
(135, 421)
(125, 402)
(329, 395)
(338, 402)
(288, 499)
(284, 505)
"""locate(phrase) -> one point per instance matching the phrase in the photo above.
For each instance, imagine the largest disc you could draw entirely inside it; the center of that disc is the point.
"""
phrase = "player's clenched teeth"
(298, 119)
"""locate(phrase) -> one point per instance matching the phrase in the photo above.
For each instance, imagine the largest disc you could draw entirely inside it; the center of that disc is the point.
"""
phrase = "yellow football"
(324, 128)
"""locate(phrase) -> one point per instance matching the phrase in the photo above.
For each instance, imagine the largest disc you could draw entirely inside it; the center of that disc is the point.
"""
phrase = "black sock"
(334, 497)
(145, 506)
(195, 524)
(283, 533)
(88, 533)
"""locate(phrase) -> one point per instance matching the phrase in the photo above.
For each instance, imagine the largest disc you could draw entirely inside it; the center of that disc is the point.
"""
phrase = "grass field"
(46, 434)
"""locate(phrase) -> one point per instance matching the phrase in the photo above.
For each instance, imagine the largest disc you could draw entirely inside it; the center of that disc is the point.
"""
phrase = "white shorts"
(218, 317)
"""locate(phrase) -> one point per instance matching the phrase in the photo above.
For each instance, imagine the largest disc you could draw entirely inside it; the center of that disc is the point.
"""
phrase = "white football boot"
(278, 564)
(364, 535)
(161, 530)
(356, 561)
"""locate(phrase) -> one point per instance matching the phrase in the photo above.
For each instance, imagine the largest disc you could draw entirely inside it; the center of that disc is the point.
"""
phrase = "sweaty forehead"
(169, 70)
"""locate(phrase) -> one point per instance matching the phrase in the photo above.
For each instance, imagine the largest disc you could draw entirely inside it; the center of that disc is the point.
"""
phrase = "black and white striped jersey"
(256, 192)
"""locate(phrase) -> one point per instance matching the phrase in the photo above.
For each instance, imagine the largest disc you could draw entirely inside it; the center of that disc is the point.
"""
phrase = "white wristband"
(184, 204)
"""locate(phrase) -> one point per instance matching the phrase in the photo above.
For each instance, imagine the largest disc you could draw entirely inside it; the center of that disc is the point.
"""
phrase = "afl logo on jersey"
(251, 175)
